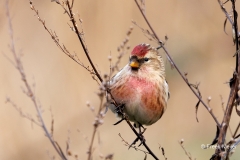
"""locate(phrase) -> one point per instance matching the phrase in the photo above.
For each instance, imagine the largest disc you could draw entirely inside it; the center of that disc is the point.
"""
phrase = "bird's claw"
(119, 121)
(142, 140)
(119, 109)
(139, 137)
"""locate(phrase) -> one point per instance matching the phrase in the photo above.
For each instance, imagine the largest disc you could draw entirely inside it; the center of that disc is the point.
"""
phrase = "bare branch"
(81, 40)
(29, 92)
(24, 115)
(55, 38)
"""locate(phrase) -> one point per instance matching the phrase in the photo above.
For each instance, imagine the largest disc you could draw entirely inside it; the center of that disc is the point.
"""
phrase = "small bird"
(141, 86)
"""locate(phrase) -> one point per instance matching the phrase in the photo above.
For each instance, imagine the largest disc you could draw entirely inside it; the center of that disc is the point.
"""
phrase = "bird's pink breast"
(141, 85)
(141, 97)
(137, 86)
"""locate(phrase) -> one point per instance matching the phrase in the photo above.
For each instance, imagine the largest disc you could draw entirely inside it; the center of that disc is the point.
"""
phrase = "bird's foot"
(140, 135)
(119, 110)
(141, 138)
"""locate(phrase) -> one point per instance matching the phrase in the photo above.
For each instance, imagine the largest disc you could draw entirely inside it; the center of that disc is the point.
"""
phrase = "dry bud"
(102, 87)
(181, 141)
(129, 32)
(102, 114)
(166, 38)
(69, 153)
(101, 155)
(121, 46)
(88, 104)
(209, 98)
(110, 58)
(109, 157)
(105, 76)
(92, 108)
(100, 94)
(233, 140)
(224, 124)
(125, 40)
(209, 109)
(233, 33)
(100, 121)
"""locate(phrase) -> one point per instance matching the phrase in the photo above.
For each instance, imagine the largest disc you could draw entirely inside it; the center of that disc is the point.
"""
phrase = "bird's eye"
(146, 59)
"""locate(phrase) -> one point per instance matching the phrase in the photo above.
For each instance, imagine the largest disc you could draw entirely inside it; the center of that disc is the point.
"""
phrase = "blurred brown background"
(196, 42)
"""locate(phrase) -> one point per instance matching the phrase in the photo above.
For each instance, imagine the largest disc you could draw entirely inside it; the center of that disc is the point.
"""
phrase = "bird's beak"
(134, 64)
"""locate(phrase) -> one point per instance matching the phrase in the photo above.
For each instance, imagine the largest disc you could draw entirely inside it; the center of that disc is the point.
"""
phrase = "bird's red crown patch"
(140, 50)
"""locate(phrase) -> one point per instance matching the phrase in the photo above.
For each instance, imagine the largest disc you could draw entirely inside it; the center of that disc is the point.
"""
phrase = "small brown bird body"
(141, 86)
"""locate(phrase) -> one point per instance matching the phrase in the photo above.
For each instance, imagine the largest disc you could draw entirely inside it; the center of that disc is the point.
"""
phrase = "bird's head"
(146, 57)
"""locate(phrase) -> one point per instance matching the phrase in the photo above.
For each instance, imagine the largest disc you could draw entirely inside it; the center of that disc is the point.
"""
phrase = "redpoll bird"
(141, 86)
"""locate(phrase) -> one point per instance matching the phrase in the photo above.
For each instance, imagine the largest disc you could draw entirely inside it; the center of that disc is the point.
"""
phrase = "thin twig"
(29, 90)
(24, 115)
(55, 38)
(122, 49)
(235, 132)
(225, 12)
(186, 152)
(163, 152)
(95, 127)
(81, 41)
(172, 62)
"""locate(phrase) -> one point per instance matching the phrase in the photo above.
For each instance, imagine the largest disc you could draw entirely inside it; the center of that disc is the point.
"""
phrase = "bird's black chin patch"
(134, 69)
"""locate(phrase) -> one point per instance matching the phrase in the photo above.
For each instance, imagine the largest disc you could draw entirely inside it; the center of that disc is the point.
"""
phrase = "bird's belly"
(142, 99)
